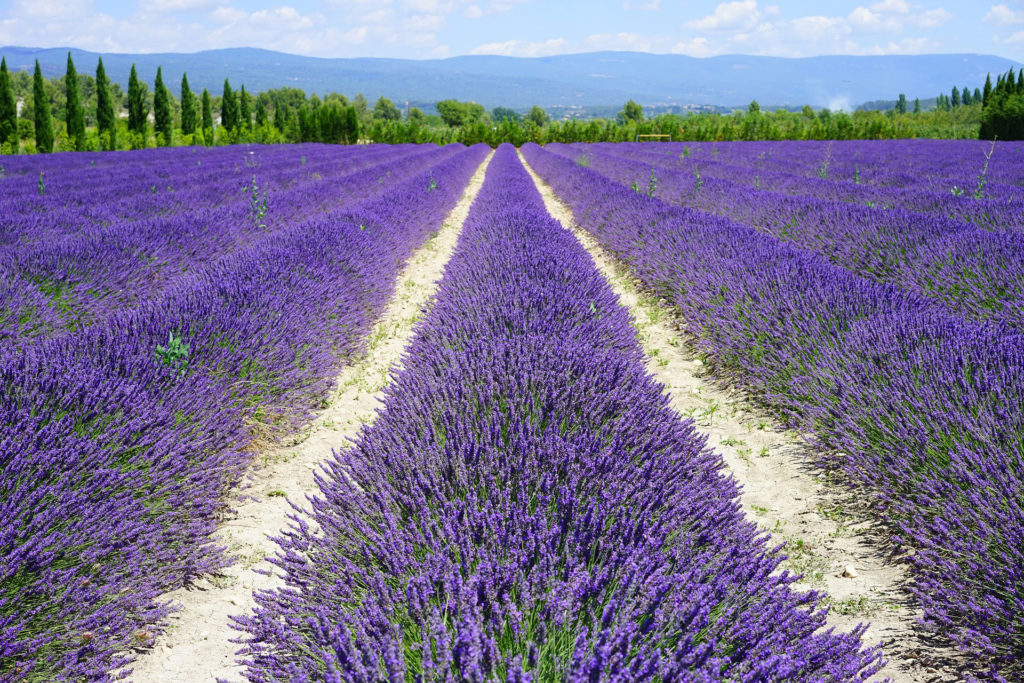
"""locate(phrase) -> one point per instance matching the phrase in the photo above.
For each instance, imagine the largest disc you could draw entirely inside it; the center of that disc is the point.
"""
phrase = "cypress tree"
(161, 111)
(228, 108)
(244, 114)
(41, 106)
(8, 109)
(105, 107)
(965, 97)
(207, 117)
(955, 99)
(351, 125)
(976, 97)
(917, 105)
(75, 113)
(1020, 80)
(261, 114)
(188, 108)
(138, 108)
(280, 116)
(901, 104)
(987, 92)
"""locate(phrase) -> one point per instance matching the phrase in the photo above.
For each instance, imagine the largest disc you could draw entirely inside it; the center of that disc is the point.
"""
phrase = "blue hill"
(584, 80)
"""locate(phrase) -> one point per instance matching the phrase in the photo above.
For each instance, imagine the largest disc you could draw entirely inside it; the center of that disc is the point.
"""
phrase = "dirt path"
(827, 538)
(196, 647)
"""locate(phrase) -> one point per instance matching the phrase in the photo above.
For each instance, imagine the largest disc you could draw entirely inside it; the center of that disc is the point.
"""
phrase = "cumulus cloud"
(523, 48)
(727, 16)
(1003, 15)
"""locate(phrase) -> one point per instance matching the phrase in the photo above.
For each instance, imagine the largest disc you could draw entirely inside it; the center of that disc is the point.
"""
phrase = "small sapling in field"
(175, 354)
(258, 205)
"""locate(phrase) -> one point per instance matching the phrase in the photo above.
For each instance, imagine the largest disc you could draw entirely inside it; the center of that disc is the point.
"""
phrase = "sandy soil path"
(828, 538)
(197, 645)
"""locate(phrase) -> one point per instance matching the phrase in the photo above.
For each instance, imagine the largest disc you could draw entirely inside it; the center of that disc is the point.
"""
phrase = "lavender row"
(116, 455)
(934, 166)
(991, 209)
(976, 273)
(921, 408)
(62, 193)
(527, 507)
(55, 283)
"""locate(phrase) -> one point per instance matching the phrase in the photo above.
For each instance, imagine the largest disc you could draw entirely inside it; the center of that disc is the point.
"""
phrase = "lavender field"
(524, 505)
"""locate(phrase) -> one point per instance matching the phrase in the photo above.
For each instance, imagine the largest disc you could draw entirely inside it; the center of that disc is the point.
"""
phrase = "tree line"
(87, 112)
(1002, 114)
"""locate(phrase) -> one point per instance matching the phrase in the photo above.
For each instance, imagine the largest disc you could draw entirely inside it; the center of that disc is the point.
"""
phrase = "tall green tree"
(138, 107)
(207, 117)
(261, 114)
(161, 111)
(228, 108)
(538, 116)
(917, 105)
(633, 112)
(75, 112)
(41, 109)
(105, 108)
(965, 96)
(987, 92)
(955, 99)
(901, 104)
(351, 125)
(188, 108)
(8, 109)
(385, 110)
(244, 112)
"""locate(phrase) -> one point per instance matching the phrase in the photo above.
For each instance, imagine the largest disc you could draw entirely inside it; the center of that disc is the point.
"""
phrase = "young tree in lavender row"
(41, 109)
(161, 111)
(8, 109)
(228, 108)
(75, 113)
(188, 108)
(207, 118)
(105, 108)
(244, 110)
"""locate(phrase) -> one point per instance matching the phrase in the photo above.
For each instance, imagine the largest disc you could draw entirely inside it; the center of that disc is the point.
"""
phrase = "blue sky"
(441, 28)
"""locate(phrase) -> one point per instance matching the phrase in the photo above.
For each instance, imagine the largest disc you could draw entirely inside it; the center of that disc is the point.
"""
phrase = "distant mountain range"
(593, 79)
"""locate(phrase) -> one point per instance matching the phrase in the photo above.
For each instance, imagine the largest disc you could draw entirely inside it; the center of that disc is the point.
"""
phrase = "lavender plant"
(527, 507)
(919, 407)
(114, 471)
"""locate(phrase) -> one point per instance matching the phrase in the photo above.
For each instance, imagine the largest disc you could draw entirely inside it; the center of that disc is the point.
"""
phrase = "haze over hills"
(586, 79)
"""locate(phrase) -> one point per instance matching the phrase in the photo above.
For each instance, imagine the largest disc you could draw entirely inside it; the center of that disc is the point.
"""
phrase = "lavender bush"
(977, 273)
(923, 408)
(527, 507)
(114, 463)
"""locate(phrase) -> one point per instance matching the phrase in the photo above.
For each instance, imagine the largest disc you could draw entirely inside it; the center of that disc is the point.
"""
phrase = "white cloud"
(621, 41)
(523, 48)
(1016, 39)
(473, 12)
(179, 5)
(695, 47)
(931, 18)
(728, 15)
(1004, 16)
